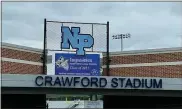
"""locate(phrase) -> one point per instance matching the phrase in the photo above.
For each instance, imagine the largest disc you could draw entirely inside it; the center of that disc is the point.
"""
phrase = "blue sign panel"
(72, 64)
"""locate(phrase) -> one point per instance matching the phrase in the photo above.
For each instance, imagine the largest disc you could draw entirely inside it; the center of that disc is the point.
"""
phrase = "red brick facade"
(32, 62)
(146, 58)
(19, 68)
(168, 71)
(22, 55)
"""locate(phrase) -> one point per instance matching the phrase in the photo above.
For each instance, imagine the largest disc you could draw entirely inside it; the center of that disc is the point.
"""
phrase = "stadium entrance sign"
(78, 63)
(98, 82)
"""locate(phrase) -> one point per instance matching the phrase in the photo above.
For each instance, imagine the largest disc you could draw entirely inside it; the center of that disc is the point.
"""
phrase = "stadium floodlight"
(122, 36)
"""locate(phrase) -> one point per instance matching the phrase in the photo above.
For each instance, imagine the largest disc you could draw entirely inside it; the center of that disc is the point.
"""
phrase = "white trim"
(145, 64)
(21, 61)
(4, 44)
(128, 53)
(123, 53)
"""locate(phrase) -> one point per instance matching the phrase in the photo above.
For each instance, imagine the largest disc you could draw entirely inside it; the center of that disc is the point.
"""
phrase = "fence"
(52, 38)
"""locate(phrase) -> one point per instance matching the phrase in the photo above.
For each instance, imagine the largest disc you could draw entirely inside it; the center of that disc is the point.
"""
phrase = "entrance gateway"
(76, 69)
(31, 90)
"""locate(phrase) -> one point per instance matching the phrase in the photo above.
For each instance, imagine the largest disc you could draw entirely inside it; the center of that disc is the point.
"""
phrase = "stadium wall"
(163, 63)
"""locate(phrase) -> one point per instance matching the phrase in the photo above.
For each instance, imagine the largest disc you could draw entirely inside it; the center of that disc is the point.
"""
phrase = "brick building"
(164, 63)
(20, 60)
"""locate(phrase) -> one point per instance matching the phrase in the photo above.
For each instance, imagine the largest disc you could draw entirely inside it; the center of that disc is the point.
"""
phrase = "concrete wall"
(29, 81)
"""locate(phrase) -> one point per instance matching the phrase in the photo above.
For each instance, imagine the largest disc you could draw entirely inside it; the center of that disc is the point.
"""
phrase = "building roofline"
(4, 44)
(148, 51)
(132, 52)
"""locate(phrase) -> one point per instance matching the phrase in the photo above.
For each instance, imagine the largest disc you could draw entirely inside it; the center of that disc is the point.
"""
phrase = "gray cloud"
(151, 24)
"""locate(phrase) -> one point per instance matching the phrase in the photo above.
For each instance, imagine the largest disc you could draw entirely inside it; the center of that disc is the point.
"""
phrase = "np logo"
(76, 40)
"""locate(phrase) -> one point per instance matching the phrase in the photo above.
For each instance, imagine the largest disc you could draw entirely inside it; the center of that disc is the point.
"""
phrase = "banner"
(72, 64)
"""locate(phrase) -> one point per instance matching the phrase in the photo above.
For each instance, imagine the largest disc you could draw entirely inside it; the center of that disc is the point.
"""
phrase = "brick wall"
(169, 71)
(148, 71)
(146, 58)
(22, 55)
(20, 68)
(9, 67)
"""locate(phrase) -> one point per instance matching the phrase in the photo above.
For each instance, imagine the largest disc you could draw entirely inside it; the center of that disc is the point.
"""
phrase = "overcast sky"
(151, 24)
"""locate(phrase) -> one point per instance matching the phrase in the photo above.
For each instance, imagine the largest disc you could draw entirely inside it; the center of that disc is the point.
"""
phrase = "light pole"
(181, 40)
(122, 36)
